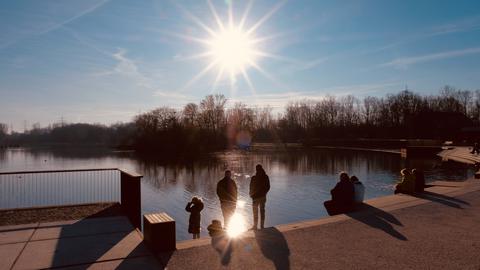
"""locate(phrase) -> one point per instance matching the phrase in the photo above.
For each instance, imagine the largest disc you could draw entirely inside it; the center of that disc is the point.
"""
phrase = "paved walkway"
(97, 243)
(460, 154)
(435, 230)
(438, 230)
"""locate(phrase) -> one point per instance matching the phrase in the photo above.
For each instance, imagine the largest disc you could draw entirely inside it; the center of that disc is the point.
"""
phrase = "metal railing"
(25, 189)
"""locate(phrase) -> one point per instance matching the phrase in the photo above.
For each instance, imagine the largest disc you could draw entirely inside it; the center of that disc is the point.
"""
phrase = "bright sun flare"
(232, 50)
(236, 226)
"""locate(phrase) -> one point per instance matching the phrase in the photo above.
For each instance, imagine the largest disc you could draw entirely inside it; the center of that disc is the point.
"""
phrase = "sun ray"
(266, 17)
(215, 15)
(194, 56)
(185, 37)
(230, 13)
(267, 38)
(269, 76)
(233, 81)
(217, 78)
(276, 57)
(195, 19)
(245, 14)
(249, 82)
(199, 75)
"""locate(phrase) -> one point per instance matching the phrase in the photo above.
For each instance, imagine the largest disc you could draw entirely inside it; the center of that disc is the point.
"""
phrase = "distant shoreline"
(281, 146)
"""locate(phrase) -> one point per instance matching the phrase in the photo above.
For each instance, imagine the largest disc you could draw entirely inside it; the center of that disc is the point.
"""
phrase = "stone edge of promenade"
(386, 203)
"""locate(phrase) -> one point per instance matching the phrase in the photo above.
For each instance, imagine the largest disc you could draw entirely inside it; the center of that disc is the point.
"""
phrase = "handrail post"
(131, 197)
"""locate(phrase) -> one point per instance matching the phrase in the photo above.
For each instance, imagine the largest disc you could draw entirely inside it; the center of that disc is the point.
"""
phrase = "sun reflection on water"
(241, 204)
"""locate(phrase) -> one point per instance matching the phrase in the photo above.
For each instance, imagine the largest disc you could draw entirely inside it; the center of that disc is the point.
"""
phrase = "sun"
(232, 49)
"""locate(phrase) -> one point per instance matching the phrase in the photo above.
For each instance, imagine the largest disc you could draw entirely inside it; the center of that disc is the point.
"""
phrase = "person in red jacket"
(259, 187)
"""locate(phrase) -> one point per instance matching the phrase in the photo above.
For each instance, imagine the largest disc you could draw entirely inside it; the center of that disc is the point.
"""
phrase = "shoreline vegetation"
(371, 122)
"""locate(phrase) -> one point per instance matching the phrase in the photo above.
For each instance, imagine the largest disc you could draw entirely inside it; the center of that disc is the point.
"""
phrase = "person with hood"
(227, 193)
(359, 189)
(259, 187)
(342, 196)
(194, 207)
(406, 184)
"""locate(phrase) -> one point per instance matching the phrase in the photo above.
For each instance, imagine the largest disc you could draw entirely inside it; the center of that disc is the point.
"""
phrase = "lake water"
(300, 180)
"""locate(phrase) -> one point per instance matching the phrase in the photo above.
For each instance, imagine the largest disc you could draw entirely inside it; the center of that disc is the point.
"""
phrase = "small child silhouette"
(195, 206)
(215, 229)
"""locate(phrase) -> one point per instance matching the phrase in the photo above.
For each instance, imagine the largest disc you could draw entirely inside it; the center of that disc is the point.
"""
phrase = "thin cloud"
(71, 19)
(56, 26)
(306, 65)
(172, 95)
(404, 62)
(460, 26)
(126, 67)
(464, 25)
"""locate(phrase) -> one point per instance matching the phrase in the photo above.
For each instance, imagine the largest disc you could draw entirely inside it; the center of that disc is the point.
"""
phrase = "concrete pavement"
(97, 243)
(436, 230)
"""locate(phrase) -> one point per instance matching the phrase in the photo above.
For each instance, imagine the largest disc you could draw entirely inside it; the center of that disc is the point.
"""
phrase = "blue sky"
(105, 61)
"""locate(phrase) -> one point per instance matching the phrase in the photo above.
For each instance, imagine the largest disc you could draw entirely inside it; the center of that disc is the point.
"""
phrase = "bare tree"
(3, 130)
(212, 110)
(190, 114)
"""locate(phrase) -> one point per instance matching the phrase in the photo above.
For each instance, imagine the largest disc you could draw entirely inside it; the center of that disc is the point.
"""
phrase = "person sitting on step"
(342, 196)
(406, 184)
(359, 190)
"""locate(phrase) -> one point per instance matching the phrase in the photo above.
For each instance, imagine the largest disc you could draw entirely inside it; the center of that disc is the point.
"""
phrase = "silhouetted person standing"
(227, 193)
(194, 207)
(259, 187)
(342, 196)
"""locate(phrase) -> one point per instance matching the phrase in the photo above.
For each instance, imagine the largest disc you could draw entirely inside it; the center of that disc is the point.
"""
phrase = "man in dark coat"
(259, 187)
(342, 196)
(227, 193)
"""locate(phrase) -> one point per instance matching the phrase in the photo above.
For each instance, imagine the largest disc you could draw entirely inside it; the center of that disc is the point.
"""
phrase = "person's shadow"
(223, 245)
(377, 218)
(442, 199)
(274, 247)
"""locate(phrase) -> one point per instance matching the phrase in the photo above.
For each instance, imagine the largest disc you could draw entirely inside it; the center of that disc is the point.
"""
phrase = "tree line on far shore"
(211, 125)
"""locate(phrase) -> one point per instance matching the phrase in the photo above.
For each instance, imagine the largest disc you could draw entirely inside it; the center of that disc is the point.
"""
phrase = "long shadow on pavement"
(223, 245)
(445, 197)
(442, 199)
(84, 242)
(378, 219)
(274, 247)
